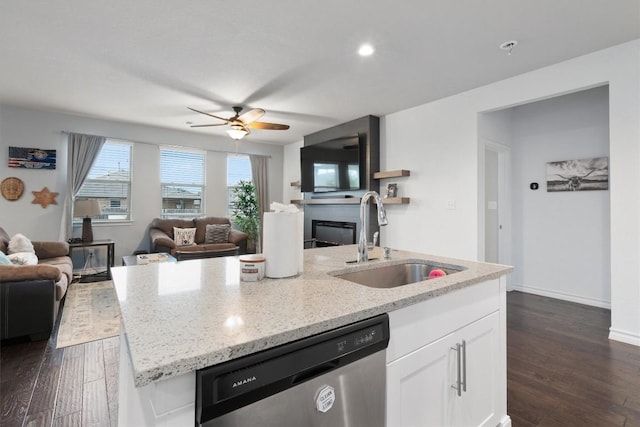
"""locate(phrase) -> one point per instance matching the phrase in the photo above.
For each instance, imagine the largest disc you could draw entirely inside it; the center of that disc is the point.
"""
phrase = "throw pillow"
(20, 243)
(217, 233)
(4, 260)
(23, 258)
(184, 236)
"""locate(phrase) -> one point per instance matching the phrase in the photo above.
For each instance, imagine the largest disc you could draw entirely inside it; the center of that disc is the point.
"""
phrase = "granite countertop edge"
(394, 299)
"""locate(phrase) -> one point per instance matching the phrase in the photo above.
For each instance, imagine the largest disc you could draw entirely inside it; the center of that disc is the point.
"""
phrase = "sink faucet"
(364, 222)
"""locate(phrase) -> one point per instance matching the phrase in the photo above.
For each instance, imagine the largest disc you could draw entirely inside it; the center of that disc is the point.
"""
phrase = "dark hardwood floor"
(562, 371)
(73, 386)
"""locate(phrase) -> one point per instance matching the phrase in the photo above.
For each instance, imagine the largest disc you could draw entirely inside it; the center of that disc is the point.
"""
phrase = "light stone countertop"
(179, 317)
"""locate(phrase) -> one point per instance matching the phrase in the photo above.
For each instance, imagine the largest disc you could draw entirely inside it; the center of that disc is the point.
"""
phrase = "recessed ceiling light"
(366, 50)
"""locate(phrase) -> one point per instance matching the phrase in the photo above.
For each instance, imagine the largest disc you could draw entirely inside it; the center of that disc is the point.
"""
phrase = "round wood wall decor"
(12, 188)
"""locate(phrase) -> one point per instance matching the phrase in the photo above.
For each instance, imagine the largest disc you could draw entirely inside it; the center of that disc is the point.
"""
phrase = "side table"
(105, 275)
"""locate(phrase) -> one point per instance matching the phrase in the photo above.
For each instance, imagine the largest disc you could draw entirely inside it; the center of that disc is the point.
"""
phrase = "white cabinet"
(420, 382)
(418, 386)
(476, 405)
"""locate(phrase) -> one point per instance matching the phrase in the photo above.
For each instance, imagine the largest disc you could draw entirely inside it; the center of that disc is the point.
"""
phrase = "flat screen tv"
(331, 166)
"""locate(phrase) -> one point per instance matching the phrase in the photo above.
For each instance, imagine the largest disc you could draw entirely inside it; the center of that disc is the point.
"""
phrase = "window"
(182, 181)
(238, 169)
(109, 181)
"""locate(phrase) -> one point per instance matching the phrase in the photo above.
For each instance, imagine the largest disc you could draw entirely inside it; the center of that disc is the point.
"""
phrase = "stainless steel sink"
(391, 276)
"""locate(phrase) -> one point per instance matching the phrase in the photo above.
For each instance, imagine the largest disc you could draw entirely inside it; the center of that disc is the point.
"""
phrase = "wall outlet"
(451, 204)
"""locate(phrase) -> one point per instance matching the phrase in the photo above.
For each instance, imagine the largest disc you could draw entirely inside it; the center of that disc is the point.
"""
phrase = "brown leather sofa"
(30, 295)
(162, 239)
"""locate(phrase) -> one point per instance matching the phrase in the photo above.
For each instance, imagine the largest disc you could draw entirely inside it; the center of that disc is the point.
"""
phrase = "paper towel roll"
(282, 244)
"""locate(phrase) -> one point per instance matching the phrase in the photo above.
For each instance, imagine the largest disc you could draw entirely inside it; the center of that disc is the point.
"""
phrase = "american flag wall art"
(32, 158)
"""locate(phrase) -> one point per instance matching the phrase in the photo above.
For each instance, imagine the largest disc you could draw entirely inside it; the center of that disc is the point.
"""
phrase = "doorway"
(559, 241)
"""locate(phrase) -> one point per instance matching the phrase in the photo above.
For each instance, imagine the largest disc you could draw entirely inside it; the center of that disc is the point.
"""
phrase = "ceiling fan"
(240, 124)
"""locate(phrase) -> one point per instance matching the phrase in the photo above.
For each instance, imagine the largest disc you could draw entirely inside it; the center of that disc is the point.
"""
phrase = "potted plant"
(245, 212)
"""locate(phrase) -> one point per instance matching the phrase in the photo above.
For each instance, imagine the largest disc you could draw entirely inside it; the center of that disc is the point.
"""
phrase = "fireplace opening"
(333, 233)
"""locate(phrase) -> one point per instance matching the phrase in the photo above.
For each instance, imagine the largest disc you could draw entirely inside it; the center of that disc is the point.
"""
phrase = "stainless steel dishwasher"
(336, 378)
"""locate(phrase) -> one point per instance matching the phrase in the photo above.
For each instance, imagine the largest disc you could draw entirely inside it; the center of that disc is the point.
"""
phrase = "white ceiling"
(146, 61)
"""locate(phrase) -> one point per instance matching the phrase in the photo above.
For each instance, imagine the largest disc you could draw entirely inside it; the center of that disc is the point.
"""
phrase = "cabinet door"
(418, 386)
(477, 405)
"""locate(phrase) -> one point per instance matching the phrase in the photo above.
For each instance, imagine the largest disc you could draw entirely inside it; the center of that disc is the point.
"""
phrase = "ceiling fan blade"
(203, 126)
(268, 126)
(210, 115)
(251, 116)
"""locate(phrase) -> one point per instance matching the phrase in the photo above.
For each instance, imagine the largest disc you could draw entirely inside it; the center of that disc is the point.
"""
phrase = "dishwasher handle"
(314, 372)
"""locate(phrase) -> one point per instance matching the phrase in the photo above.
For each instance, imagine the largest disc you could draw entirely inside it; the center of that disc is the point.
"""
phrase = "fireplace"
(333, 233)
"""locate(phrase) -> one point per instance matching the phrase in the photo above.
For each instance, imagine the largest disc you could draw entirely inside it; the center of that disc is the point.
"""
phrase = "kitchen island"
(180, 317)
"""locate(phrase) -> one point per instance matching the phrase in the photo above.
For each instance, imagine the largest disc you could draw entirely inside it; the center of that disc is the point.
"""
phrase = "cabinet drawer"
(419, 324)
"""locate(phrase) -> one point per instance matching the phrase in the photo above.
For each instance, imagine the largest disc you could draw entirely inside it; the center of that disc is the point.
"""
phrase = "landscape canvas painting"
(578, 175)
(32, 158)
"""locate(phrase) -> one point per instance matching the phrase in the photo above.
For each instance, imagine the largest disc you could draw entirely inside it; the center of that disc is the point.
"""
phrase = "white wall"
(561, 239)
(496, 127)
(439, 143)
(30, 128)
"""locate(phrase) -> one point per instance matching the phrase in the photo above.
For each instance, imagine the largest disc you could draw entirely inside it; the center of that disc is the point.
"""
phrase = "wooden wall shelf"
(391, 174)
(350, 201)
(396, 201)
(336, 201)
(356, 200)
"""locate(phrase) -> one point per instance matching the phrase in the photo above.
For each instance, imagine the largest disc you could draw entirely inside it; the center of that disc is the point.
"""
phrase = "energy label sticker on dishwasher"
(326, 397)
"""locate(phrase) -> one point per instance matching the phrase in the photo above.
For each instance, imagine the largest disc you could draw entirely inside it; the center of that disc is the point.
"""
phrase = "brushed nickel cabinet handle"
(464, 365)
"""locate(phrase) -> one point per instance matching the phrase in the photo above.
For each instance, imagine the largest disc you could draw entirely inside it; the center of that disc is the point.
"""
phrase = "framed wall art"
(578, 175)
(392, 191)
(32, 158)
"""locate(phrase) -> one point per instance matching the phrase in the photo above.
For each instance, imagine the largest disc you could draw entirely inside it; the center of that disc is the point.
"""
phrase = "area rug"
(91, 312)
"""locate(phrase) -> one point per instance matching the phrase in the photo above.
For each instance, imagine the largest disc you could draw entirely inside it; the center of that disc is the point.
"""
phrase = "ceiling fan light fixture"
(240, 123)
(366, 50)
(237, 132)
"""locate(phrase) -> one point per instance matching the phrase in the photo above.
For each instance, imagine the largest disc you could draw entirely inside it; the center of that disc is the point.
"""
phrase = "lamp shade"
(86, 208)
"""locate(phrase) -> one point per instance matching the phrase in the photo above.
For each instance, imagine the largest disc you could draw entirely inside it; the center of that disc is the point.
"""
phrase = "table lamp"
(86, 209)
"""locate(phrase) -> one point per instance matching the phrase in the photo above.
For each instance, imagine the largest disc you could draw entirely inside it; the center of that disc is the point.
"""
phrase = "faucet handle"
(371, 245)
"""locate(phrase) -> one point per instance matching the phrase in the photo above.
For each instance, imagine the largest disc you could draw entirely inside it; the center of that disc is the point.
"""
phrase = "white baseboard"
(505, 421)
(561, 295)
(624, 336)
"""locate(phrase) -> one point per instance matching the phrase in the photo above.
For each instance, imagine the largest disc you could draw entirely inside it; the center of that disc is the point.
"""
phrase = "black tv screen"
(331, 166)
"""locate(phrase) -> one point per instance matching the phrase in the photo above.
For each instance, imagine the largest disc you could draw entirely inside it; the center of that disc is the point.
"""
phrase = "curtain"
(82, 151)
(261, 183)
